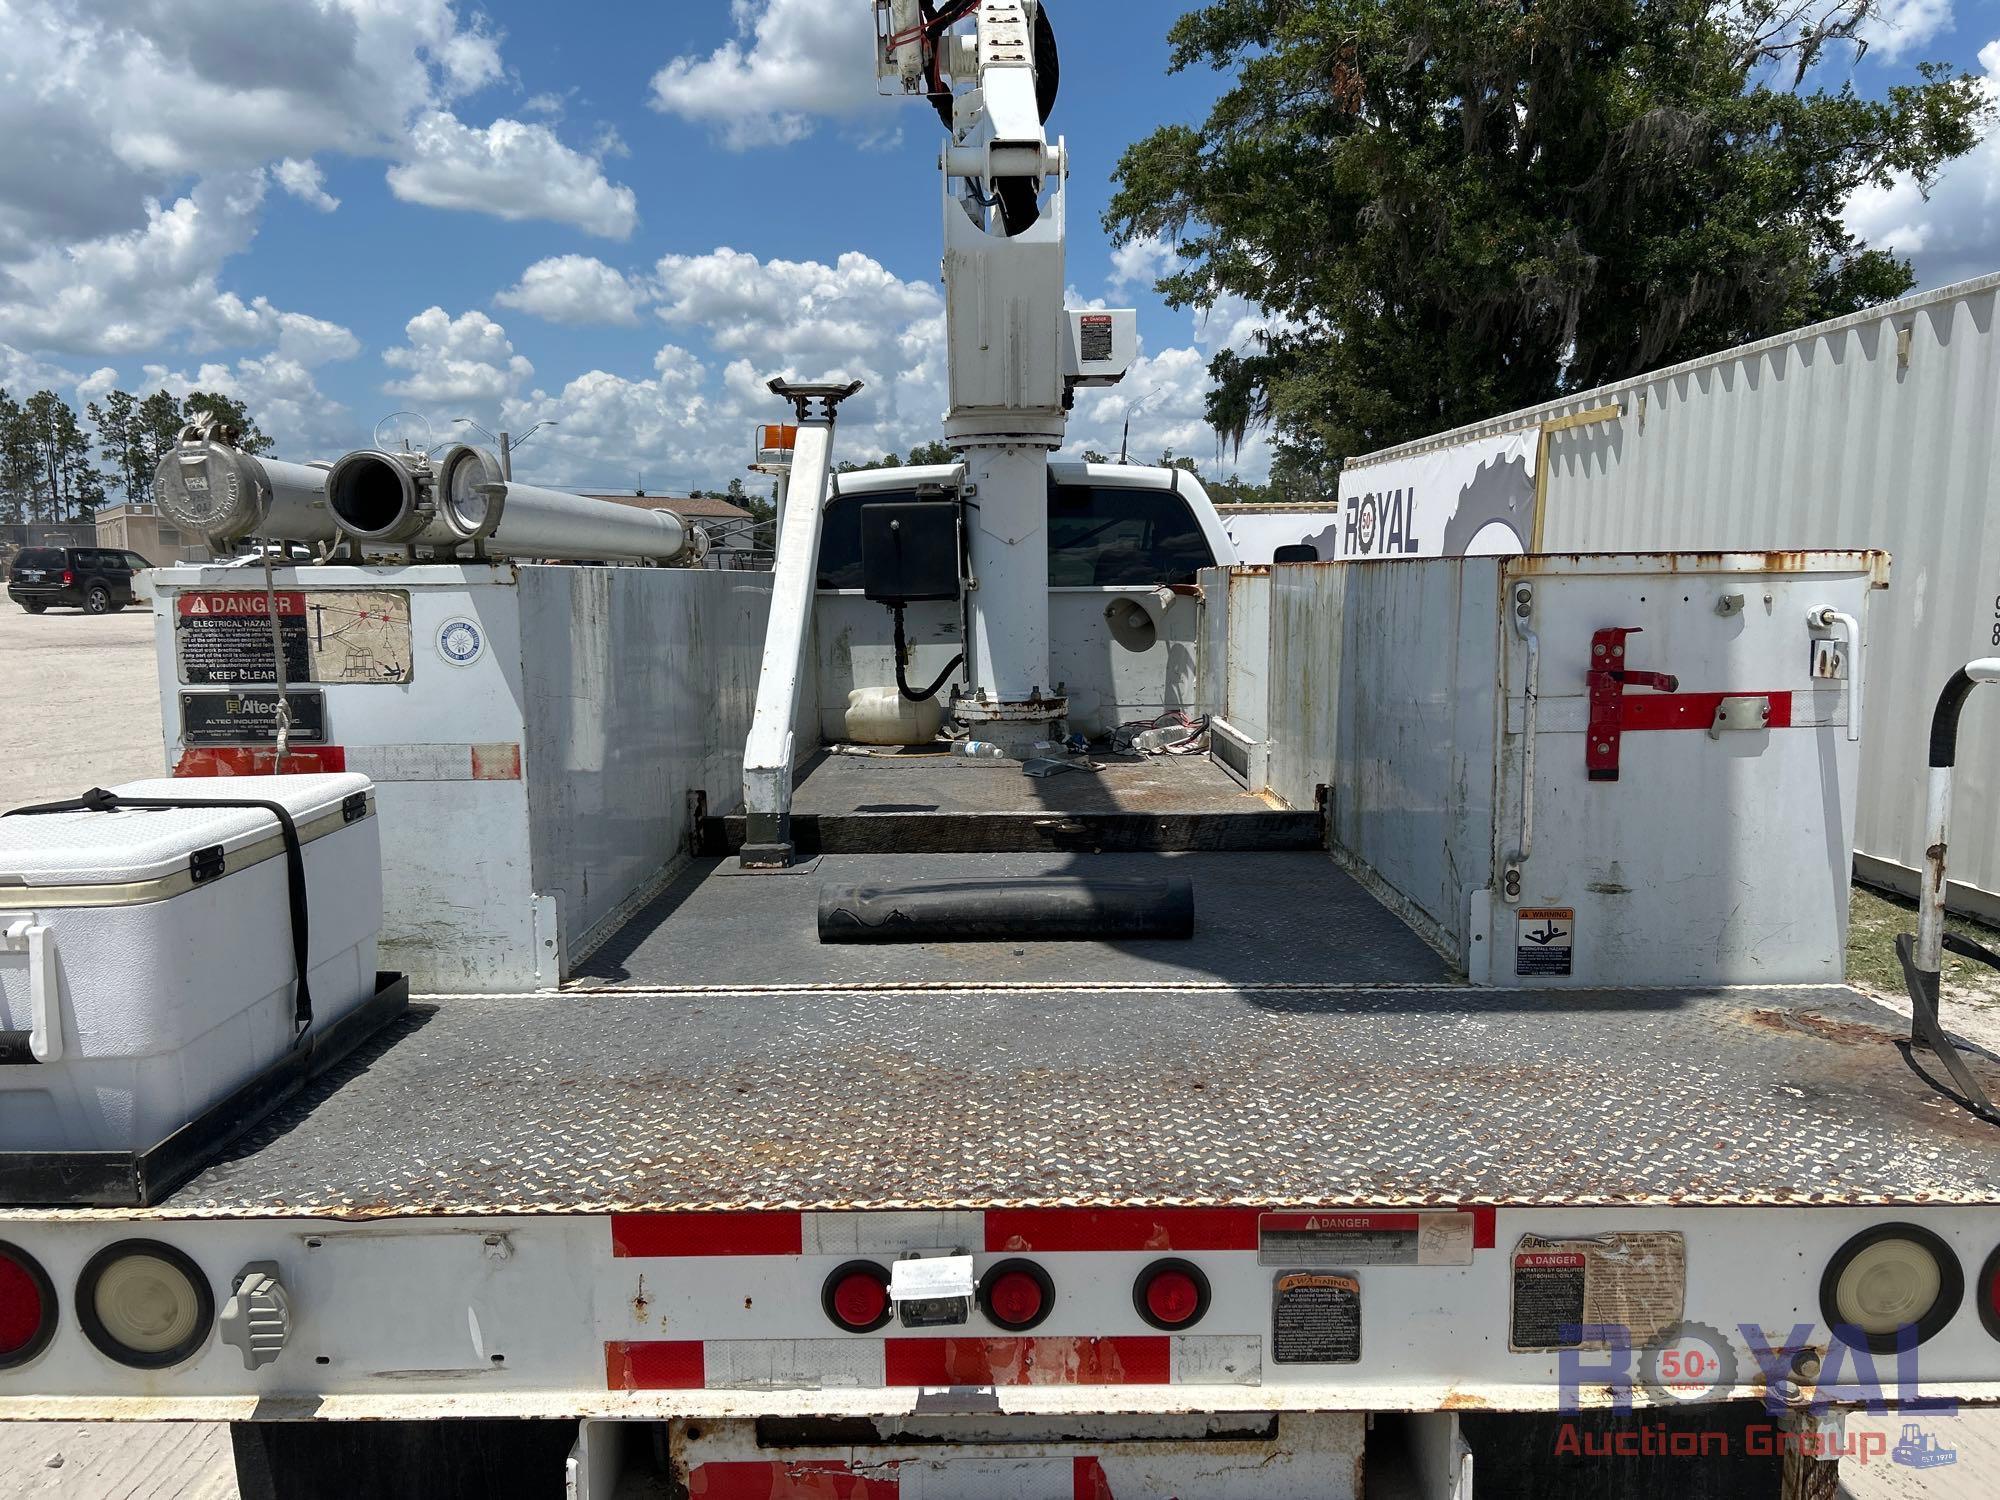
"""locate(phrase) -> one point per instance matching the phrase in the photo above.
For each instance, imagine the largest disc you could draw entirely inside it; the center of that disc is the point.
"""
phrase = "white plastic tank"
(883, 716)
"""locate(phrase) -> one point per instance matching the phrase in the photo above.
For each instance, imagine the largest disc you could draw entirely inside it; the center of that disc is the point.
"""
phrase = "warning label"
(1365, 1239)
(1560, 1288)
(1316, 1319)
(222, 637)
(1096, 338)
(1544, 939)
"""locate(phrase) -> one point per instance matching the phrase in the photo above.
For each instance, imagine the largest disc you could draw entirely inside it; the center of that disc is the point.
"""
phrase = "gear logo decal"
(461, 642)
(1495, 512)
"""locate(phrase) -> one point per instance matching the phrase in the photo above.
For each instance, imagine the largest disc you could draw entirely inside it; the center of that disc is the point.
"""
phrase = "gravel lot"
(83, 706)
(84, 711)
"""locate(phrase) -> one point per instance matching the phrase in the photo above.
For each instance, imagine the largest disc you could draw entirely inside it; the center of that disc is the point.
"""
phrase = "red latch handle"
(1608, 678)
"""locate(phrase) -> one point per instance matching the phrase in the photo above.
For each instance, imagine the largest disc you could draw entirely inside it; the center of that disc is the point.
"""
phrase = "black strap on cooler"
(206, 864)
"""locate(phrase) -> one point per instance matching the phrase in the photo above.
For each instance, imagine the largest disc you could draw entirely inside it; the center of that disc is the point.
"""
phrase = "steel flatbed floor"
(580, 1103)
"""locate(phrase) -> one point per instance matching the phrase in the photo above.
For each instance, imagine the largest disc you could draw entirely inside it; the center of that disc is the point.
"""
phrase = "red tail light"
(27, 1307)
(856, 1296)
(69, 579)
(1171, 1294)
(1016, 1295)
(1988, 1294)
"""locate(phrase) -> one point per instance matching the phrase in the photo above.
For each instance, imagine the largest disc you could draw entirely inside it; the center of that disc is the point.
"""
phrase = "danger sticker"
(1316, 1319)
(1544, 940)
(222, 637)
(1563, 1292)
(1097, 338)
(1366, 1239)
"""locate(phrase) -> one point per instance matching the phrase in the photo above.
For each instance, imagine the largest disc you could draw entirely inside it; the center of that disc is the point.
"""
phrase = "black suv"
(96, 580)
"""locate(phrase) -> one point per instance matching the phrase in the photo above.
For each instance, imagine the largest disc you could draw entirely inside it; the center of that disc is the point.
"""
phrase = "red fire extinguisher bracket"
(1608, 679)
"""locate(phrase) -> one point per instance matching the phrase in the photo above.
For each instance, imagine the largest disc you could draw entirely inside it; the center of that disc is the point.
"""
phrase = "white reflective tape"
(793, 1364)
(892, 1233)
(436, 762)
(1217, 1359)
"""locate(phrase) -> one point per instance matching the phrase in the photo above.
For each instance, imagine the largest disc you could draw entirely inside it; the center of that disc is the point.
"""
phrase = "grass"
(1874, 919)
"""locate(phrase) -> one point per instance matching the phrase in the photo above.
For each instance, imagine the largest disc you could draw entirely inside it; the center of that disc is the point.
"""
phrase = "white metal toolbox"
(148, 968)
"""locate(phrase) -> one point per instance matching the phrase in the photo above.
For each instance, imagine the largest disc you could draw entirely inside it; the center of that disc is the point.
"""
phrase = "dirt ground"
(81, 709)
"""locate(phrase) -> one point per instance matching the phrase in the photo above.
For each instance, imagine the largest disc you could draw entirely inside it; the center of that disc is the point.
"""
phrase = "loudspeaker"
(1137, 623)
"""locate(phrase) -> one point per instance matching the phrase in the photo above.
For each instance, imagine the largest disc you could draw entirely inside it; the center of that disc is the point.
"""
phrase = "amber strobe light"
(27, 1307)
(1889, 1278)
(144, 1304)
(1989, 1294)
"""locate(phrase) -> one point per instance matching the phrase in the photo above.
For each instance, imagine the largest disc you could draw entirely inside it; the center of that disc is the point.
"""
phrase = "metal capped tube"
(208, 486)
(521, 520)
(384, 497)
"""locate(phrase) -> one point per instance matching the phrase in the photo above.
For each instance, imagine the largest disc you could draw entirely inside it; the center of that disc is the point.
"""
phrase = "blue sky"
(624, 216)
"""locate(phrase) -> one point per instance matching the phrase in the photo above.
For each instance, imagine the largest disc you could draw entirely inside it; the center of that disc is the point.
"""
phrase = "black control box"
(909, 551)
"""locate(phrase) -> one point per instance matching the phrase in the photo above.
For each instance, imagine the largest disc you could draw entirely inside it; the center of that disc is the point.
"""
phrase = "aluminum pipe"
(387, 498)
(210, 487)
(521, 520)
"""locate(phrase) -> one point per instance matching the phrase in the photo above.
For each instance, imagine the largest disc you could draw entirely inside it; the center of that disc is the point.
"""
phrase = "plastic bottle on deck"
(978, 750)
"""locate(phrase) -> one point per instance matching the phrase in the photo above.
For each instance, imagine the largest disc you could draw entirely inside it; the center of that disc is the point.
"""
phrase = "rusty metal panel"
(1881, 430)
(1248, 692)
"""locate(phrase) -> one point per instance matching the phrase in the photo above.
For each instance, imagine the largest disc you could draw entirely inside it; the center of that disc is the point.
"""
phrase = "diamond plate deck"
(1259, 919)
(943, 783)
(580, 1103)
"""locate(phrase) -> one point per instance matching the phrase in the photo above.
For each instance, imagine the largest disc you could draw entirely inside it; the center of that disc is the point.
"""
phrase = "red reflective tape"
(496, 762)
(1053, 1229)
(803, 1480)
(1639, 712)
(666, 1365)
(1484, 1222)
(658, 1236)
(1028, 1361)
(258, 760)
(1088, 1482)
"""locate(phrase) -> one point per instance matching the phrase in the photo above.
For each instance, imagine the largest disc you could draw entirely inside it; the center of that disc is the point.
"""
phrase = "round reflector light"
(27, 1307)
(1888, 1278)
(856, 1296)
(1016, 1295)
(144, 1304)
(1171, 1294)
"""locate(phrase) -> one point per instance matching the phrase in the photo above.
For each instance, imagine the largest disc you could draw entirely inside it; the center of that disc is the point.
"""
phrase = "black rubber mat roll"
(1049, 909)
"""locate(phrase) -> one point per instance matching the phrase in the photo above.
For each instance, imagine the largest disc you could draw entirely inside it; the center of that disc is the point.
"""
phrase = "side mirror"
(1297, 552)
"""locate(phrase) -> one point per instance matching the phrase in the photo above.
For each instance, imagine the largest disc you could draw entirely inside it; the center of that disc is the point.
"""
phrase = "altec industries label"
(222, 637)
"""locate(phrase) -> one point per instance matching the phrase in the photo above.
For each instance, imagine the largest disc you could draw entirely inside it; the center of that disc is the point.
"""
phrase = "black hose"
(903, 682)
(1944, 722)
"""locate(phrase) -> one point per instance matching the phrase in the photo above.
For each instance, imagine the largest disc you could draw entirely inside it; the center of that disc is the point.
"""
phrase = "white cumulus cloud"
(1954, 234)
(513, 170)
(306, 182)
(1899, 27)
(576, 289)
(790, 62)
(462, 359)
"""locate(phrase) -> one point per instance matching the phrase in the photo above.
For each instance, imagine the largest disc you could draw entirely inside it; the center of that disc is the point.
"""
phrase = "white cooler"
(151, 978)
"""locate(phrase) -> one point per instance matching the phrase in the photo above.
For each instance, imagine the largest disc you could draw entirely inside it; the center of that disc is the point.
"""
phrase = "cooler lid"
(131, 845)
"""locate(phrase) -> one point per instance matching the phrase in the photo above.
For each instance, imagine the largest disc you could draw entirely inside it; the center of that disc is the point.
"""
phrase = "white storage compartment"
(154, 984)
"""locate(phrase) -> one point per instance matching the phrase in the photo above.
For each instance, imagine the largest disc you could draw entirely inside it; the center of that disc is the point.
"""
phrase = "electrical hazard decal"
(1544, 940)
(223, 637)
(1371, 1238)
